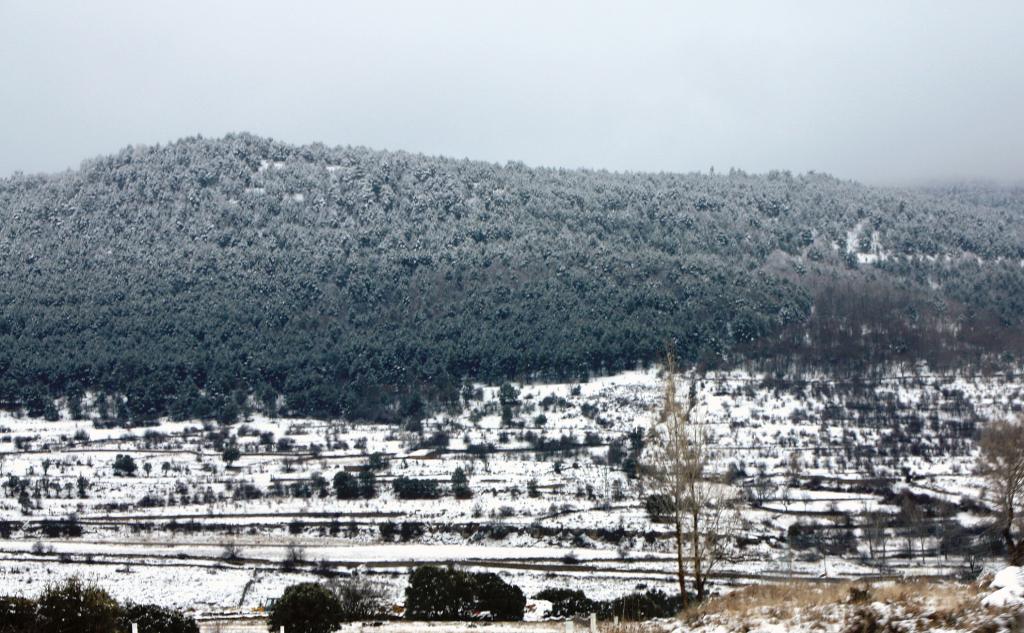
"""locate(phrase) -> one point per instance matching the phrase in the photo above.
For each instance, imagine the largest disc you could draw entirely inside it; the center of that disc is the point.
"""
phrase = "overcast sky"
(885, 92)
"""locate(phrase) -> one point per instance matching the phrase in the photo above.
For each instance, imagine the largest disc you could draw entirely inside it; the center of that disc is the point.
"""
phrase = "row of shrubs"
(312, 607)
(570, 603)
(433, 593)
(75, 606)
(446, 593)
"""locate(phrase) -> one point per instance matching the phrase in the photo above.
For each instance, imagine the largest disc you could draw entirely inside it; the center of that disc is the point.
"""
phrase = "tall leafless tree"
(876, 532)
(1001, 462)
(701, 508)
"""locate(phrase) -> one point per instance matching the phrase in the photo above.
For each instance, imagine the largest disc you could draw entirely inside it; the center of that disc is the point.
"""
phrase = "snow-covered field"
(821, 466)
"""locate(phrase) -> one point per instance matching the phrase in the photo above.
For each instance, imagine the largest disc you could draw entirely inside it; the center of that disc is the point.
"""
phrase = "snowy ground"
(818, 454)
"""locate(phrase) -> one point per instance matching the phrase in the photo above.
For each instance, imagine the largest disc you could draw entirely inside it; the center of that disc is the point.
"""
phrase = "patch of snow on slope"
(1009, 588)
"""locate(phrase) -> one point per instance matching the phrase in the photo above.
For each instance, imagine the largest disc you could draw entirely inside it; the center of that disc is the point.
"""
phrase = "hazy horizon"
(919, 93)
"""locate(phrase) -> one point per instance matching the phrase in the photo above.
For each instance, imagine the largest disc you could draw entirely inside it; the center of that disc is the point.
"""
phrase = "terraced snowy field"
(838, 479)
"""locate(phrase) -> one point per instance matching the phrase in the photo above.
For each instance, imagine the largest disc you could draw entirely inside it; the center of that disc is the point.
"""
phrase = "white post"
(135, 627)
(569, 626)
(282, 628)
(593, 623)
(616, 619)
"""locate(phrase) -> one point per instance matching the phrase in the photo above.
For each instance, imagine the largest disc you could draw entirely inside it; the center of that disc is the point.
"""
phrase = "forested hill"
(184, 278)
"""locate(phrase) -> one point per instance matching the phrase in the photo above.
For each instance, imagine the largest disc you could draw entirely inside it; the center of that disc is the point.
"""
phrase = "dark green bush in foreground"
(75, 607)
(437, 593)
(569, 603)
(306, 608)
(152, 618)
(653, 603)
(17, 615)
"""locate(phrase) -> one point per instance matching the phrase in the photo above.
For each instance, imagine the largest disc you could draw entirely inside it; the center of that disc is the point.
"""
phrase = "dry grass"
(944, 595)
(775, 599)
(780, 601)
(629, 627)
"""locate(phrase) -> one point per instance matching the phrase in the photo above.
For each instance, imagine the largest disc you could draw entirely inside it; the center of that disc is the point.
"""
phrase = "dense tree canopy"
(183, 279)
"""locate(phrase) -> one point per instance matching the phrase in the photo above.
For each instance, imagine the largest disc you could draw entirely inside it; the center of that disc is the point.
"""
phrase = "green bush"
(567, 603)
(460, 485)
(496, 599)
(570, 603)
(409, 488)
(437, 593)
(306, 608)
(72, 606)
(659, 508)
(155, 619)
(346, 486)
(125, 466)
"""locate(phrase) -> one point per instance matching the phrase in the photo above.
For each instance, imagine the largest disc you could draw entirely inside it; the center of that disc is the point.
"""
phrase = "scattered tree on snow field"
(460, 485)
(412, 488)
(82, 484)
(346, 486)
(294, 556)
(1001, 462)
(125, 466)
(231, 454)
(367, 484)
(231, 552)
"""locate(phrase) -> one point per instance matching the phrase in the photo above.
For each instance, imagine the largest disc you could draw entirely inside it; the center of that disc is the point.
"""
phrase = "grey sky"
(878, 91)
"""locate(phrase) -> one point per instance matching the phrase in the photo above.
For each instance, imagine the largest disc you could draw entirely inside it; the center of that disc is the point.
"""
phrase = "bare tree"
(231, 552)
(875, 530)
(294, 556)
(667, 472)
(914, 526)
(1001, 462)
(700, 507)
(764, 488)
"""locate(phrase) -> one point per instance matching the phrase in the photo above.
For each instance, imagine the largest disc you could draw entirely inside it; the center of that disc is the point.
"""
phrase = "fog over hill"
(183, 278)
